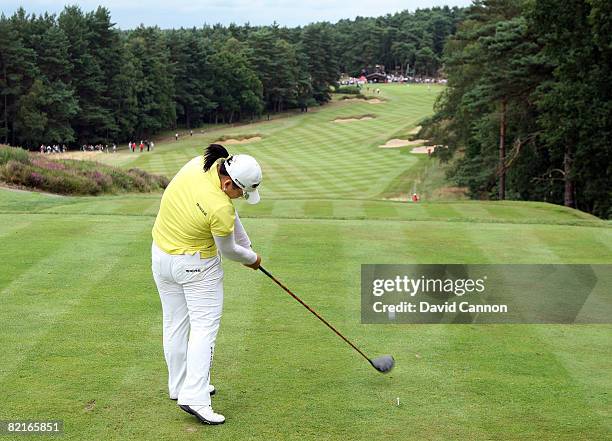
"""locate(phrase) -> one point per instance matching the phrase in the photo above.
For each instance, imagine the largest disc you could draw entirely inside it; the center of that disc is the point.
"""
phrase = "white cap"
(246, 173)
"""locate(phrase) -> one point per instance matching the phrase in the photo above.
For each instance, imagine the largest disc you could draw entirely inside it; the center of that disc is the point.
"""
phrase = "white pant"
(191, 292)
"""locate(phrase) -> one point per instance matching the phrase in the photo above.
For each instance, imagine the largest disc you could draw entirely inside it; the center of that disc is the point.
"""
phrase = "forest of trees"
(74, 78)
(527, 111)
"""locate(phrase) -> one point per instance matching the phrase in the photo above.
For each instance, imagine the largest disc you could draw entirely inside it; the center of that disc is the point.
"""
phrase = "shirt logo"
(201, 209)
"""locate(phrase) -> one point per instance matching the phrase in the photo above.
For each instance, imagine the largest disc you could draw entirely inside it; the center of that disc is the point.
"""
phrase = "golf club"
(382, 364)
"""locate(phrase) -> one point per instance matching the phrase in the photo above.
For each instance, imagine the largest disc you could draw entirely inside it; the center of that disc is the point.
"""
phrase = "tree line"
(74, 78)
(527, 111)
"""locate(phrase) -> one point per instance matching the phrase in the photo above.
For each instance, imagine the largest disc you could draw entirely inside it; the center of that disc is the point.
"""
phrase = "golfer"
(196, 222)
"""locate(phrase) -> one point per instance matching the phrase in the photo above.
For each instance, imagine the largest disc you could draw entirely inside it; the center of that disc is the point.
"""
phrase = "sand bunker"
(415, 130)
(361, 100)
(427, 149)
(345, 120)
(395, 143)
(424, 149)
(239, 141)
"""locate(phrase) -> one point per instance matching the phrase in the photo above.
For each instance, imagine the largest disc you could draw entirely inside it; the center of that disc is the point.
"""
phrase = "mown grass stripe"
(79, 268)
(21, 264)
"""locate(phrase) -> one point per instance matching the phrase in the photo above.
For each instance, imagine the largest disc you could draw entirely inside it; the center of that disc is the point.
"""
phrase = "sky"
(129, 14)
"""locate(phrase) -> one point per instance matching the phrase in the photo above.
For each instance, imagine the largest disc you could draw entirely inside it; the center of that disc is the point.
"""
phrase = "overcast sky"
(187, 13)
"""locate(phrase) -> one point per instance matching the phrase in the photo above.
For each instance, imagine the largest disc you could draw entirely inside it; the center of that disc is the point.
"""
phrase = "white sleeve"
(229, 248)
(241, 236)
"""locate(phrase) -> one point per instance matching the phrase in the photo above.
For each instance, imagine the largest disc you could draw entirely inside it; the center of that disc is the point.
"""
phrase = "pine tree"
(106, 48)
(17, 70)
(153, 81)
(93, 118)
(261, 54)
(193, 79)
(60, 103)
(322, 66)
(575, 105)
(31, 119)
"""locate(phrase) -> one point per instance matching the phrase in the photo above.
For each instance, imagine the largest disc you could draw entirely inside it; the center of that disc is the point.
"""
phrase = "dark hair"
(212, 153)
(223, 172)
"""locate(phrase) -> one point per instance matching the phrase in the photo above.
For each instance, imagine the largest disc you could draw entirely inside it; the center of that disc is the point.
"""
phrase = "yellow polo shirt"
(193, 209)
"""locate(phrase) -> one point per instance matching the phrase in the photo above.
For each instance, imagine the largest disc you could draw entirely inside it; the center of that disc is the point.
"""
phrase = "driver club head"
(383, 364)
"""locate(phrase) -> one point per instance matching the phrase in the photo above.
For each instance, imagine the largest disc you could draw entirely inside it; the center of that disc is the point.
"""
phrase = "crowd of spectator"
(99, 148)
(390, 78)
(55, 148)
(133, 147)
(105, 148)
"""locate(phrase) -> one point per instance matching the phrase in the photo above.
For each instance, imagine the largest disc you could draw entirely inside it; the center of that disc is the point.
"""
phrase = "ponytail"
(212, 153)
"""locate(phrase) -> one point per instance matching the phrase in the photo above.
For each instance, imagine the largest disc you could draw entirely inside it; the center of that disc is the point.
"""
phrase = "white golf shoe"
(205, 414)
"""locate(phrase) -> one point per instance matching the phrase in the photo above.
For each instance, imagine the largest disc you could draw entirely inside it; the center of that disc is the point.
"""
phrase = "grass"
(21, 169)
(81, 320)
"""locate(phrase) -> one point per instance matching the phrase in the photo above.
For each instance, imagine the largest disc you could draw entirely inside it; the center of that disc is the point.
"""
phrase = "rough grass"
(349, 90)
(38, 171)
(13, 154)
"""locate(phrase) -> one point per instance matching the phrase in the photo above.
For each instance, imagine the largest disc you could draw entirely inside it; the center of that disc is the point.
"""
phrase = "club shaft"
(263, 270)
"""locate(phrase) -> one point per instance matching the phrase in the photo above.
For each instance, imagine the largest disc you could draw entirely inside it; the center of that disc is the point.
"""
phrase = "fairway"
(81, 318)
(308, 155)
